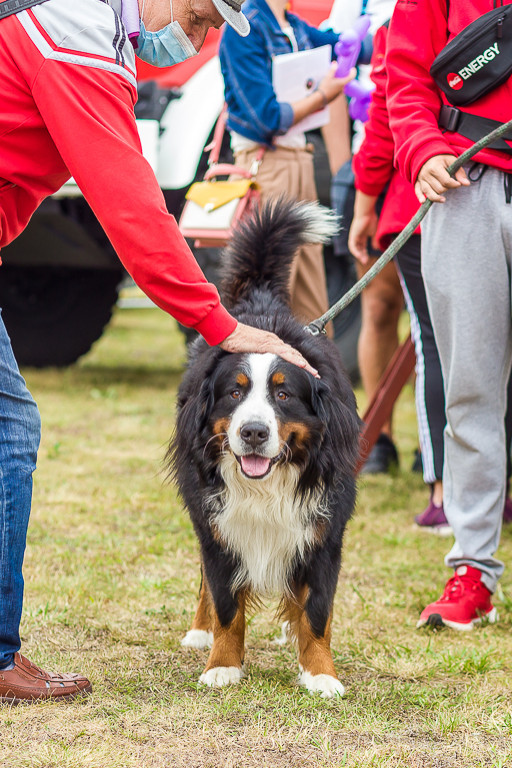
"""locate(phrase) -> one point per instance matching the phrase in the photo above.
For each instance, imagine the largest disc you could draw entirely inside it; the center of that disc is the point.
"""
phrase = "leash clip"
(315, 328)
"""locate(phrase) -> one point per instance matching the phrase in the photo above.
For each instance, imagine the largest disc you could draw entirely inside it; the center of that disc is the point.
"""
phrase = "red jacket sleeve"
(89, 115)
(418, 31)
(373, 163)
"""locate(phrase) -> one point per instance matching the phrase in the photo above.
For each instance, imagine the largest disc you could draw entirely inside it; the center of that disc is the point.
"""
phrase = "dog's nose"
(254, 433)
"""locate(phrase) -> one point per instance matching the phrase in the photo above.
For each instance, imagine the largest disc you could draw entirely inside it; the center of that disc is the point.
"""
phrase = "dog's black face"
(262, 410)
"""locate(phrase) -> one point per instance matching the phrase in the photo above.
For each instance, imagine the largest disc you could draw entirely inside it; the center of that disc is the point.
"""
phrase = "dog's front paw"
(198, 638)
(219, 676)
(326, 685)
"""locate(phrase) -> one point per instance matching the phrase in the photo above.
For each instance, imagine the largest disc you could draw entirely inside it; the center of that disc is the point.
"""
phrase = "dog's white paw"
(198, 638)
(219, 676)
(283, 639)
(326, 685)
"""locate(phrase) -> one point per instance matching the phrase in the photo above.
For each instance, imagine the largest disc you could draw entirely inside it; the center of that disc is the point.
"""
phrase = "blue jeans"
(20, 430)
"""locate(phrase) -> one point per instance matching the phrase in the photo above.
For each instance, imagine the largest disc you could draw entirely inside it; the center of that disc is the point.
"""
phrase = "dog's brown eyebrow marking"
(242, 380)
(278, 378)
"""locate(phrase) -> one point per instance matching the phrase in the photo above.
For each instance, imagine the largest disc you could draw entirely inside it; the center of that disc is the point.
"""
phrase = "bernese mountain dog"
(264, 456)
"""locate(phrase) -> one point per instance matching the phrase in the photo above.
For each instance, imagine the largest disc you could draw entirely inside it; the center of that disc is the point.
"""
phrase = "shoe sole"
(14, 701)
(437, 530)
(436, 621)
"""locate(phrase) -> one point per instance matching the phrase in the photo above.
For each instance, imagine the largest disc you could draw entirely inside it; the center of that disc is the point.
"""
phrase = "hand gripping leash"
(317, 326)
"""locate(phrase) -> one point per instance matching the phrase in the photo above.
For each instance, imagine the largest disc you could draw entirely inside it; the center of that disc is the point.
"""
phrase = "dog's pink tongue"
(254, 466)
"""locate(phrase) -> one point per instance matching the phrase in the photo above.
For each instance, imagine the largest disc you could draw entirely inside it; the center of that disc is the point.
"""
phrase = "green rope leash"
(318, 326)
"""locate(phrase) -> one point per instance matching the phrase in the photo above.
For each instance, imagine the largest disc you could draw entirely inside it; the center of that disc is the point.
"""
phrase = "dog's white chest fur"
(263, 523)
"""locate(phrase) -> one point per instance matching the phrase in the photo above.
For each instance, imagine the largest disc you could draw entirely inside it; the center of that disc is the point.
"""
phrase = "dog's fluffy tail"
(263, 246)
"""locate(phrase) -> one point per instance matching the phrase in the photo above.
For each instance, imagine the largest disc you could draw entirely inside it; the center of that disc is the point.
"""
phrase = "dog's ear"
(338, 412)
(204, 404)
(320, 392)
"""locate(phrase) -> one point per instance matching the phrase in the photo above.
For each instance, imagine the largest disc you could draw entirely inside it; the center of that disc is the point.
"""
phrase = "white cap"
(231, 11)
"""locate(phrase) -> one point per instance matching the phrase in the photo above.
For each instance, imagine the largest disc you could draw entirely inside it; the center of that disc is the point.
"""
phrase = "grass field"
(111, 580)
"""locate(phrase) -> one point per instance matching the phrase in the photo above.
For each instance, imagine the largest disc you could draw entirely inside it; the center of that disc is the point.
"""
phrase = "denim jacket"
(246, 63)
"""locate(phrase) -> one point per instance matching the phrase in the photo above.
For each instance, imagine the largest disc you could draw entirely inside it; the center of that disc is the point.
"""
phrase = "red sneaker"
(464, 602)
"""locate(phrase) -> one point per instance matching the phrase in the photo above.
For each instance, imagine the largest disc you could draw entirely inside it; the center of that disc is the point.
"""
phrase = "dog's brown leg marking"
(202, 619)
(228, 642)
(314, 652)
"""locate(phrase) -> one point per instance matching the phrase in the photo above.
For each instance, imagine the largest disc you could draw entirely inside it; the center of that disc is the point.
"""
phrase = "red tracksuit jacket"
(373, 163)
(419, 30)
(67, 92)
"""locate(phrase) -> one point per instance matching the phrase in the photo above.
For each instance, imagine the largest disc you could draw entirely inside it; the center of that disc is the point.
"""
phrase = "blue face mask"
(165, 47)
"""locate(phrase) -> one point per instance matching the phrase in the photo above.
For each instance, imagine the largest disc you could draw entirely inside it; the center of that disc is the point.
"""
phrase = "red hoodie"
(419, 30)
(373, 163)
(67, 92)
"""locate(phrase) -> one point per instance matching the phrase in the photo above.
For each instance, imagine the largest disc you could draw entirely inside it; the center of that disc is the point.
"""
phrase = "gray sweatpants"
(466, 265)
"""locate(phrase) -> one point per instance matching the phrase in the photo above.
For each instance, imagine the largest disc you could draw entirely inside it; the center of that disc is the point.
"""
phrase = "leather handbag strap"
(215, 146)
(218, 134)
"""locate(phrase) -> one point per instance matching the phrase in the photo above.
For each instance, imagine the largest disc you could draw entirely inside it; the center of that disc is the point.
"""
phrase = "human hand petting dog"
(433, 179)
(245, 338)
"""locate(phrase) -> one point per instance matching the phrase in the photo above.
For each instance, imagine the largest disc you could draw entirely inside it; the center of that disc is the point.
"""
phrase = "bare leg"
(381, 303)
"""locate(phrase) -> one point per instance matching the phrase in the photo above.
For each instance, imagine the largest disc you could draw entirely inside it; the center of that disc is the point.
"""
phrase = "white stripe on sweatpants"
(427, 451)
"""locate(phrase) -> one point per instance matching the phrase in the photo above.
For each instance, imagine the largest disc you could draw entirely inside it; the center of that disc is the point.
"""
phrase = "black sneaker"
(382, 458)
(417, 464)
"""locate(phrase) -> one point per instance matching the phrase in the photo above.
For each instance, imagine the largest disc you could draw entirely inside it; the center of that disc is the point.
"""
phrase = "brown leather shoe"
(28, 683)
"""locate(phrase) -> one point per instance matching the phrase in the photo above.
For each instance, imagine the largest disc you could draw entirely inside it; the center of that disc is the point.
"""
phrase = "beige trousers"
(290, 172)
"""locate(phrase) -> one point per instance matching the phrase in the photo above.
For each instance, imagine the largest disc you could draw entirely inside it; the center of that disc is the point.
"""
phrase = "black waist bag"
(477, 60)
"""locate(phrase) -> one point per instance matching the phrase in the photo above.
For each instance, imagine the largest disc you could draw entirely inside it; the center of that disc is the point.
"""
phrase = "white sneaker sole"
(440, 530)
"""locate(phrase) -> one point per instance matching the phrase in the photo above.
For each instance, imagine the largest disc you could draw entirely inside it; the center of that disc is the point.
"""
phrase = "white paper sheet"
(295, 75)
